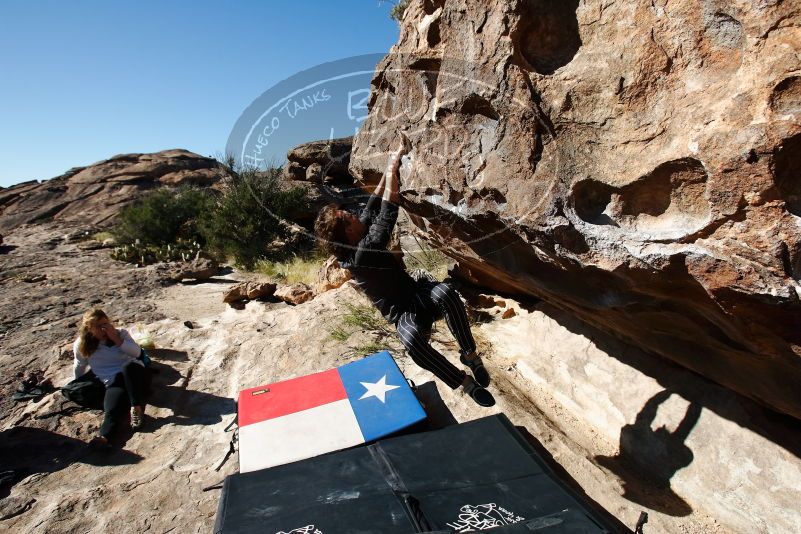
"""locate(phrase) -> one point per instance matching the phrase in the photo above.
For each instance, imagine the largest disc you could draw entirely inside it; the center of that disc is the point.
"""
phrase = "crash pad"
(474, 476)
(331, 410)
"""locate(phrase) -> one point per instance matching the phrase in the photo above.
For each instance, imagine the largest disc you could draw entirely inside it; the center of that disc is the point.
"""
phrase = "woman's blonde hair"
(88, 343)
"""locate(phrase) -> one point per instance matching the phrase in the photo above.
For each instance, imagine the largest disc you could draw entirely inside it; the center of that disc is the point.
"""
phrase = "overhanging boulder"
(637, 165)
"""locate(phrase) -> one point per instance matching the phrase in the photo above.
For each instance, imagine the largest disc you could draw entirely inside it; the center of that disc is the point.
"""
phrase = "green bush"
(164, 216)
(398, 9)
(250, 214)
(240, 222)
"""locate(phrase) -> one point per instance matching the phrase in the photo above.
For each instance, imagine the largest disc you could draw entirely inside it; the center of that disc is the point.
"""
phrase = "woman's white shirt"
(107, 361)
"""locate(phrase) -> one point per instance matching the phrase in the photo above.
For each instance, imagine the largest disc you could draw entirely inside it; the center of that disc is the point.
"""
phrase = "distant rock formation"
(320, 161)
(634, 163)
(321, 167)
(94, 194)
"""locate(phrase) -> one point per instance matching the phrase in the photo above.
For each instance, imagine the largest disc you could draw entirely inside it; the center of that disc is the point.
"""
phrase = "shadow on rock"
(25, 451)
(778, 428)
(167, 354)
(438, 415)
(649, 458)
(212, 280)
(567, 480)
(5, 249)
(189, 407)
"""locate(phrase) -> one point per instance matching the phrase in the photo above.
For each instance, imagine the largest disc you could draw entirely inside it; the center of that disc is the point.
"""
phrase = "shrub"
(250, 214)
(365, 317)
(398, 9)
(164, 216)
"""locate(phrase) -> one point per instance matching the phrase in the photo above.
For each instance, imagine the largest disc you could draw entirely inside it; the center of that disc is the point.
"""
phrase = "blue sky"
(81, 81)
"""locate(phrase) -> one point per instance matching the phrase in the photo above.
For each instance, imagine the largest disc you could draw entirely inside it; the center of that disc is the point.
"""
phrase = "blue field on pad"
(380, 397)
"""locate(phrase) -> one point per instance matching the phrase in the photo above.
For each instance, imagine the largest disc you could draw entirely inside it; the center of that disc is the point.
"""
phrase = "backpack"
(87, 390)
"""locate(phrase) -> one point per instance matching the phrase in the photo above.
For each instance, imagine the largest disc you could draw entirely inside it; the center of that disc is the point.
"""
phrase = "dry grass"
(362, 328)
(298, 269)
(102, 236)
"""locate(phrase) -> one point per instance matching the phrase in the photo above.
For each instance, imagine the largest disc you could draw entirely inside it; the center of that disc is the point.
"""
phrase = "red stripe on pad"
(290, 396)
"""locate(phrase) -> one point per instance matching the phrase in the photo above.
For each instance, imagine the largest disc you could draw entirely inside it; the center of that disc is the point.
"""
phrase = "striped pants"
(432, 301)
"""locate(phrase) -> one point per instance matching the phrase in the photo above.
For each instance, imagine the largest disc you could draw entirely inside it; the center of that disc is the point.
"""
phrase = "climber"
(360, 244)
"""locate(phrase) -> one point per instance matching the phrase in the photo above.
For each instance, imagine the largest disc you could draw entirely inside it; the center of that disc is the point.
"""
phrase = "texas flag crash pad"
(311, 415)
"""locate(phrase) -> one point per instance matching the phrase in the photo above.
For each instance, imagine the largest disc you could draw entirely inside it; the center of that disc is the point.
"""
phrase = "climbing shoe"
(479, 371)
(479, 394)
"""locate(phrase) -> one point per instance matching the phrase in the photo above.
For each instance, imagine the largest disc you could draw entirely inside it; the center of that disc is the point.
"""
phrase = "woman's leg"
(115, 404)
(137, 382)
(412, 331)
(447, 300)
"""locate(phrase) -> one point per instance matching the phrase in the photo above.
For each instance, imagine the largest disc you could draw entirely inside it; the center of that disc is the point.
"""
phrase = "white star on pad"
(378, 390)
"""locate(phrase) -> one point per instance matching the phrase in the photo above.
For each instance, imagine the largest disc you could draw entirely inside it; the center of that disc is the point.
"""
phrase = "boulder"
(248, 291)
(314, 173)
(198, 269)
(96, 193)
(331, 275)
(294, 294)
(294, 171)
(635, 164)
(331, 157)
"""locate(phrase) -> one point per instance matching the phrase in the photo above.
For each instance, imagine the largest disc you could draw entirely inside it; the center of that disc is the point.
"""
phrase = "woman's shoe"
(137, 417)
(479, 394)
(477, 368)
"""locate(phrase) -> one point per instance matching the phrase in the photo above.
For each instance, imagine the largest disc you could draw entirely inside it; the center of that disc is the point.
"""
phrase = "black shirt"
(375, 270)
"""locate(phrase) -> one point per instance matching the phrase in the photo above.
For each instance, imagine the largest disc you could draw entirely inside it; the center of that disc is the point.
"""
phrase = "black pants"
(129, 388)
(432, 301)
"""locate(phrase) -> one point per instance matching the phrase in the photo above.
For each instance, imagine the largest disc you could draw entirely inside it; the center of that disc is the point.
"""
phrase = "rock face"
(95, 194)
(635, 163)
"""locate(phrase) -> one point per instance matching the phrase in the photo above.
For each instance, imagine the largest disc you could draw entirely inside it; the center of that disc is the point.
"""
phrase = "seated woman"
(114, 358)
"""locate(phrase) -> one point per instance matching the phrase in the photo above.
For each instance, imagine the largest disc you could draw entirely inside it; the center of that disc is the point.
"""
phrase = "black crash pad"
(470, 477)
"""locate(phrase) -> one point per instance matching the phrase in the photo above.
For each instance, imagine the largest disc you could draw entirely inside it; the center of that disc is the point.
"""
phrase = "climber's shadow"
(649, 458)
